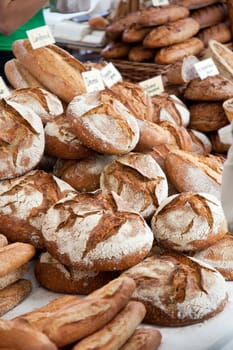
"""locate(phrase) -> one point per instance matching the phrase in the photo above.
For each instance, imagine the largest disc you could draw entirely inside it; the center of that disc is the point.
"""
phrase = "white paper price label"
(93, 80)
(4, 91)
(153, 86)
(160, 2)
(206, 68)
(40, 37)
(110, 75)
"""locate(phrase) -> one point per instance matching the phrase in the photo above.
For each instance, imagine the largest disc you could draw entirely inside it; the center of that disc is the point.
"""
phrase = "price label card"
(40, 37)
(160, 2)
(110, 75)
(206, 68)
(153, 86)
(4, 91)
(93, 80)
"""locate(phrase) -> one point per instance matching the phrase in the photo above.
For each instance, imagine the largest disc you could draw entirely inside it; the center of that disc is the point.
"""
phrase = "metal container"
(69, 6)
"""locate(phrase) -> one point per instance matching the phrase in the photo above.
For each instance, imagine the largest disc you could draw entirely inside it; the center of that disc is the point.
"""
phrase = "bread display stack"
(130, 175)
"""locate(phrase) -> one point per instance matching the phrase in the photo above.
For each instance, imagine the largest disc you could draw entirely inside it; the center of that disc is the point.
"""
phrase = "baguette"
(12, 295)
(195, 4)
(220, 32)
(19, 335)
(143, 339)
(15, 255)
(117, 332)
(85, 317)
(172, 33)
(210, 15)
(176, 52)
(13, 276)
(54, 67)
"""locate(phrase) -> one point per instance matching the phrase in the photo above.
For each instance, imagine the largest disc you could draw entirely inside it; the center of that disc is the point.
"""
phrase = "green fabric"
(6, 41)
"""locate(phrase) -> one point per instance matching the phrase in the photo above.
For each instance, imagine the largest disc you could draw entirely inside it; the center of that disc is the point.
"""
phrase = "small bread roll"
(189, 222)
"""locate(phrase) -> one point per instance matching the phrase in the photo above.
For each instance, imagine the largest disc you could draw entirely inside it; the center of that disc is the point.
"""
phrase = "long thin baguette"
(85, 317)
(19, 335)
(143, 339)
(117, 332)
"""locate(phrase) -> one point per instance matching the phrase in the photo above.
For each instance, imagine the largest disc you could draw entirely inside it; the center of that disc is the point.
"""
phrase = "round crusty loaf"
(95, 231)
(45, 104)
(212, 88)
(54, 276)
(194, 172)
(61, 142)
(83, 174)
(103, 123)
(179, 136)
(178, 290)
(219, 256)
(201, 142)
(23, 202)
(172, 33)
(22, 139)
(138, 180)
(189, 222)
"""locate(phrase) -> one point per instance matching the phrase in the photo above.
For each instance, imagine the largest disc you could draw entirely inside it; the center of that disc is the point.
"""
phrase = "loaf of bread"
(61, 142)
(155, 16)
(22, 139)
(121, 238)
(56, 277)
(115, 29)
(115, 50)
(83, 174)
(190, 172)
(138, 180)
(210, 15)
(172, 33)
(55, 68)
(102, 122)
(144, 338)
(135, 33)
(140, 53)
(176, 52)
(189, 222)
(222, 56)
(179, 137)
(182, 71)
(194, 4)
(23, 202)
(45, 104)
(178, 290)
(19, 76)
(212, 88)
(220, 32)
(201, 142)
(207, 116)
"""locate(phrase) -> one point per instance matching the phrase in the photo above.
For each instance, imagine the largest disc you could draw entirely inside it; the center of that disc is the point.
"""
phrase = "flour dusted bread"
(212, 88)
(201, 142)
(192, 172)
(172, 33)
(54, 67)
(103, 123)
(22, 139)
(61, 142)
(45, 104)
(138, 180)
(179, 136)
(189, 222)
(219, 256)
(171, 287)
(19, 76)
(23, 202)
(96, 232)
(54, 276)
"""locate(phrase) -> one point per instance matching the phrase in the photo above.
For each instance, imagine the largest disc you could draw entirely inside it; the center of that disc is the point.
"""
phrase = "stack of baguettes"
(166, 34)
(124, 148)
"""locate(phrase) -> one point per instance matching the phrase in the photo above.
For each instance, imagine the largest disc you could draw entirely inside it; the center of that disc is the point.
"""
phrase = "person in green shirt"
(16, 17)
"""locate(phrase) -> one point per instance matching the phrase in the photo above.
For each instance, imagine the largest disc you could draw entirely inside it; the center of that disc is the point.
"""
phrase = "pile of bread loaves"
(166, 34)
(112, 185)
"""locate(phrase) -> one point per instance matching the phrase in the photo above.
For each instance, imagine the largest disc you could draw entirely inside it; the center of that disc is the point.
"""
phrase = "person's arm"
(227, 189)
(14, 13)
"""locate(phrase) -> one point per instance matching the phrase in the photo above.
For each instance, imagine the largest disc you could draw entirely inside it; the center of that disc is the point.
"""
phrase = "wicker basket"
(138, 71)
